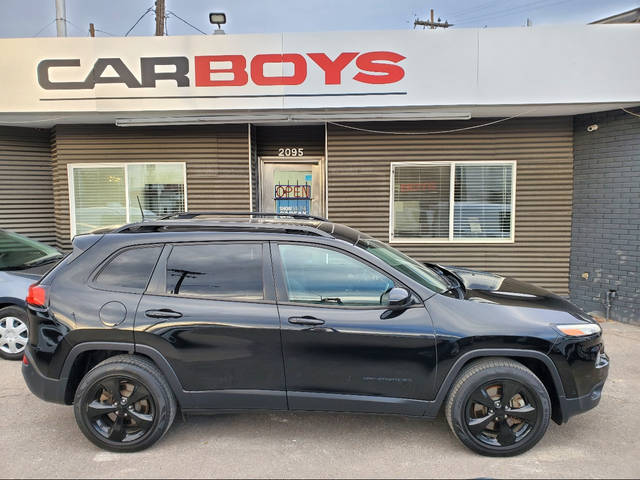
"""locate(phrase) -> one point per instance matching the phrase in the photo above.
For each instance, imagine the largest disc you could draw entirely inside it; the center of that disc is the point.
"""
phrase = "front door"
(342, 349)
(292, 185)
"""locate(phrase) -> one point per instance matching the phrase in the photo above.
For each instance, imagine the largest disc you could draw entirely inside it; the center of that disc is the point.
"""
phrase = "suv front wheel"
(124, 404)
(498, 407)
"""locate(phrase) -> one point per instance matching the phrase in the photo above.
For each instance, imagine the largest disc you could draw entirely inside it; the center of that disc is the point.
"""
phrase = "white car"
(22, 262)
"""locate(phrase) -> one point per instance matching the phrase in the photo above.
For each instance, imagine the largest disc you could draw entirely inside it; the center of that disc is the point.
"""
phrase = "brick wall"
(606, 214)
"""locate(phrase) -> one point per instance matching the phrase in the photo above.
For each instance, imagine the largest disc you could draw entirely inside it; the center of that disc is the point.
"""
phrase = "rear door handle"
(306, 321)
(162, 313)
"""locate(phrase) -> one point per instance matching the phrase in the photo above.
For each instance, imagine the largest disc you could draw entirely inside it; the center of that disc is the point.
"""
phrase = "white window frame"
(450, 239)
(72, 198)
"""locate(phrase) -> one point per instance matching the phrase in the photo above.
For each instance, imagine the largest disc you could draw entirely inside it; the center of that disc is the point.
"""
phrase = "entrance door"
(292, 185)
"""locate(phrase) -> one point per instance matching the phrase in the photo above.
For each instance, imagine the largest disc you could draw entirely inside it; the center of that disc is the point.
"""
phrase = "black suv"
(207, 312)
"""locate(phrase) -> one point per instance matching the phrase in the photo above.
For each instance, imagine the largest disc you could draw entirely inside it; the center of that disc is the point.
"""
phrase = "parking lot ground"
(38, 439)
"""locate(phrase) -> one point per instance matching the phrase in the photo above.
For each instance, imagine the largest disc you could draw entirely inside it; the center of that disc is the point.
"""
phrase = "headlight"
(580, 329)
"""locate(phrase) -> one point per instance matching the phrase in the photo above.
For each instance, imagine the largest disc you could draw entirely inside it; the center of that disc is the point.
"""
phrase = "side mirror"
(398, 298)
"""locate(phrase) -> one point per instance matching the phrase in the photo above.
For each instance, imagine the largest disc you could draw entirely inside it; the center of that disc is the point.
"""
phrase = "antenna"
(140, 205)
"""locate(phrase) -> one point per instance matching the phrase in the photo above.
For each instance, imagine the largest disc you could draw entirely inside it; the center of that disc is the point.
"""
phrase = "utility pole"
(159, 18)
(432, 24)
(61, 18)
(92, 30)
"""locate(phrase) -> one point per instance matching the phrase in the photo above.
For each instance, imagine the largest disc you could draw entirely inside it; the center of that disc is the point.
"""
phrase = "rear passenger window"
(129, 270)
(216, 270)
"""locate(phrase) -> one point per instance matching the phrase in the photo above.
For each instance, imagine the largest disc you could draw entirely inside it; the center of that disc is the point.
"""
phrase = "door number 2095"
(291, 152)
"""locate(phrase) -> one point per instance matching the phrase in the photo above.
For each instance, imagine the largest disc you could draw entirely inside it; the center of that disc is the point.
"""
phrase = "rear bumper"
(45, 388)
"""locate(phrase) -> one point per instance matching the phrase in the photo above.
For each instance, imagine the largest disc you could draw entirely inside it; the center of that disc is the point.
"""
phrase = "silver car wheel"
(13, 335)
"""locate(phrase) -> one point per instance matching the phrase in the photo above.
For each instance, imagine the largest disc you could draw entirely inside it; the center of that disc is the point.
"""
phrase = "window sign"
(292, 192)
(453, 201)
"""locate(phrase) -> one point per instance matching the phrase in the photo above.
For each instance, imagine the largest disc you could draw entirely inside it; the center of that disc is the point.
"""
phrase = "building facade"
(492, 164)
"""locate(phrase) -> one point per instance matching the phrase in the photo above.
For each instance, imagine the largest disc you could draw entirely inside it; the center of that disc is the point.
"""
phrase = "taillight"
(37, 296)
(25, 360)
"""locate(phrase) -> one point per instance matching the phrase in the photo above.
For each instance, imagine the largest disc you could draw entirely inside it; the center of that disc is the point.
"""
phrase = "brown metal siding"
(255, 170)
(216, 156)
(26, 186)
(359, 176)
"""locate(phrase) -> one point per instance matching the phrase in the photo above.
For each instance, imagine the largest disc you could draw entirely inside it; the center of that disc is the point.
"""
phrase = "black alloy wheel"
(121, 409)
(498, 407)
(501, 413)
(124, 404)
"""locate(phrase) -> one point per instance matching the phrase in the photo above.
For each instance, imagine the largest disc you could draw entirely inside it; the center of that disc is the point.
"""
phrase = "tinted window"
(216, 270)
(322, 276)
(131, 269)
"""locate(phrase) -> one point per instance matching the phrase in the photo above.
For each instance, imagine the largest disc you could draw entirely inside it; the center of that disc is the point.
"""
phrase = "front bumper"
(570, 407)
(45, 388)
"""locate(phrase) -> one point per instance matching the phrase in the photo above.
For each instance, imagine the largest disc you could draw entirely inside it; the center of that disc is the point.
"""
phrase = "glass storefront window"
(452, 201)
(107, 195)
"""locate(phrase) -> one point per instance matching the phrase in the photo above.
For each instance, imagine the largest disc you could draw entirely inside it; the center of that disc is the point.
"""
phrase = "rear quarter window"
(129, 270)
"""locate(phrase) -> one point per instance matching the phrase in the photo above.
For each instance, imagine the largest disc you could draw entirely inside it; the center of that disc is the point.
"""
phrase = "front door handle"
(306, 321)
(162, 313)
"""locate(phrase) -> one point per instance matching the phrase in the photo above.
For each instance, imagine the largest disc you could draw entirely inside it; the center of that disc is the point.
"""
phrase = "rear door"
(210, 310)
(343, 348)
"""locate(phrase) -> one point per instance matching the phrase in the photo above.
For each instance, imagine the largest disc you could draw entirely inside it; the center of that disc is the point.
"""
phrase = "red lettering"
(299, 69)
(370, 62)
(332, 68)
(204, 70)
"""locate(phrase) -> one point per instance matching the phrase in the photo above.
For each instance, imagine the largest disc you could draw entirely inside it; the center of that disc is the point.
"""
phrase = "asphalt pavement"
(39, 439)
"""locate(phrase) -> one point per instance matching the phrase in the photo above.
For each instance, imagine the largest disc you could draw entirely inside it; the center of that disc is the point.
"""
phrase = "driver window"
(316, 275)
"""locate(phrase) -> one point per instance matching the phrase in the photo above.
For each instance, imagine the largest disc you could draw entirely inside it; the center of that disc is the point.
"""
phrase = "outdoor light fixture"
(217, 19)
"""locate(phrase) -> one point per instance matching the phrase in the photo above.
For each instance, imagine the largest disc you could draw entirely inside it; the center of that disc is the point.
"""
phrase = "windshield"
(18, 252)
(405, 264)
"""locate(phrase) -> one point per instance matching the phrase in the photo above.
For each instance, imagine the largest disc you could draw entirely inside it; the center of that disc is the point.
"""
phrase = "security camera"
(592, 128)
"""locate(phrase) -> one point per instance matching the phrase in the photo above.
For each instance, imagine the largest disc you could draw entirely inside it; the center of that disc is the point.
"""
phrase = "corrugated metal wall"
(217, 158)
(255, 170)
(359, 176)
(26, 188)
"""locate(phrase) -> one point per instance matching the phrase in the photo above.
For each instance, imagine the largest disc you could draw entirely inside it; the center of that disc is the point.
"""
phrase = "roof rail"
(190, 215)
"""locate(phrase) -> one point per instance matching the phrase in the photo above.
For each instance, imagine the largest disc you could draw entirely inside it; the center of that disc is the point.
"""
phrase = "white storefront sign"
(292, 71)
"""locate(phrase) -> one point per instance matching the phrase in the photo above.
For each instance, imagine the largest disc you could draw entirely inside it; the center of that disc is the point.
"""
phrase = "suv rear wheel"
(14, 334)
(124, 404)
(498, 407)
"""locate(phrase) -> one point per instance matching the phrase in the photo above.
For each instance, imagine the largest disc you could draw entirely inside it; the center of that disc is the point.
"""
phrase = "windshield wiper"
(43, 261)
(450, 277)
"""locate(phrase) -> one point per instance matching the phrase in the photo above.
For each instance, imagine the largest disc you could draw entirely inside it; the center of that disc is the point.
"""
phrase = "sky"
(29, 18)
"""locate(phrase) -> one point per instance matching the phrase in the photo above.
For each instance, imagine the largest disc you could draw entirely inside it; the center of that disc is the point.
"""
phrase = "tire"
(14, 333)
(481, 418)
(124, 404)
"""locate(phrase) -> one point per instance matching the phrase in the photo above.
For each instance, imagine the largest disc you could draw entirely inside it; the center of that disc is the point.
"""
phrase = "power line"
(102, 31)
(536, 5)
(183, 20)
(463, 13)
(43, 28)
(66, 20)
(462, 129)
(138, 21)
